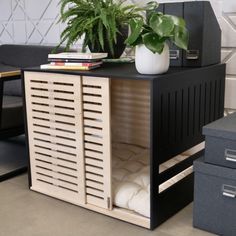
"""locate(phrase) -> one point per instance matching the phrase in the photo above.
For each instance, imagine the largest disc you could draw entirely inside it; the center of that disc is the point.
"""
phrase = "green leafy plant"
(99, 21)
(157, 29)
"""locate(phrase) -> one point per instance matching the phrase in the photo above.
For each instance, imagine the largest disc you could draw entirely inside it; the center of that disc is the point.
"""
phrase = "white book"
(78, 55)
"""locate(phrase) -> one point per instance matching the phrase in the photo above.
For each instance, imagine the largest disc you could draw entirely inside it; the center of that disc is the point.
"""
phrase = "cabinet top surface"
(124, 70)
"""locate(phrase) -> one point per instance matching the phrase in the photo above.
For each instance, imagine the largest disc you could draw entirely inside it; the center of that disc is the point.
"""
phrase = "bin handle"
(174, 54)
(192, 54)
(229, 191)
(230, 155)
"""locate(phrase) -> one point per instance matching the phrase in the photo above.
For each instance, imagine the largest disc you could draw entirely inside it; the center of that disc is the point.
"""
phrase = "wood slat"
(95, 147)
(91, 176)
(93, 154)
(51, 87)
(54, 144)
(92, 107)
(94, 162)
(96, 201)
(55, 132)
(55, 168)
(52, 94)
(92, 115)
(57, 182)
(97, 132)
(52, 125)
(54, 110)
(94, 139)
(93, 99)
(93, 123)
(95, 192)
(55, 191)
(53, 117)
(55, 161)
(55, 175)
(56, 154)
(95, 170)
(93, 184)
(92, 81)
(93, 91)
(52, 102)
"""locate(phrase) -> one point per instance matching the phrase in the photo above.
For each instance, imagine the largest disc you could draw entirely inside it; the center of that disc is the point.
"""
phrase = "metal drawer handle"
(230, 155)
(192, 54)
(229, 191)
(174, 54)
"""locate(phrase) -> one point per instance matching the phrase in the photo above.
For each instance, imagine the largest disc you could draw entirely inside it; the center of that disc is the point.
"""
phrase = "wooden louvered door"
(68, 120)
(97, 141)
(55, 133)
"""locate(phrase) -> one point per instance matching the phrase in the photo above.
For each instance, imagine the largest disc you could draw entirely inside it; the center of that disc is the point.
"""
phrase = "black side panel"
(176, 53)
(181, 105)
(186, 102)
(173, 200)
(170, 201)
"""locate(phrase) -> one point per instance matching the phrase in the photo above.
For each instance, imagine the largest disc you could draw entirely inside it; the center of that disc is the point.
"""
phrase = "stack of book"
(74, 61)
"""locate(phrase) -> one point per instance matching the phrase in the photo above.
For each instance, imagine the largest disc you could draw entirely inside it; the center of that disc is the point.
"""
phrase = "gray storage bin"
(214, 198)
(221, 141)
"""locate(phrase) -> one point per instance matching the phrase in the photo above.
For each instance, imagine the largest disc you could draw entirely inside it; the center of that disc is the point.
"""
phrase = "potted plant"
(151, 38)
(103, 23)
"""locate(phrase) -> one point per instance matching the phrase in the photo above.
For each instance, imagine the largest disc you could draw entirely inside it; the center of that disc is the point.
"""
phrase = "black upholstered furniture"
(13, 58)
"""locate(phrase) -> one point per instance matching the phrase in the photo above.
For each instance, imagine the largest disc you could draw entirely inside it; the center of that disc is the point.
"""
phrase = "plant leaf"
(104, 18)
(181, 37)
(179, 21)
(152, 5)
(136, 28)
(100, 34)
(161, 24)
(153, 42)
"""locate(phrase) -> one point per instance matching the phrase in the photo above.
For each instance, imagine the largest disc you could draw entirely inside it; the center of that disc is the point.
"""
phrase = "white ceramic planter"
(147, 62)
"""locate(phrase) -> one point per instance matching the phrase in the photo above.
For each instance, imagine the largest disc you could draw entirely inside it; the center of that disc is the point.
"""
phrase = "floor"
(24, 212)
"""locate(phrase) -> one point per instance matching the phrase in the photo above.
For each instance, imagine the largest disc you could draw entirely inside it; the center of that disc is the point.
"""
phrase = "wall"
(35, 22)
(29, 22)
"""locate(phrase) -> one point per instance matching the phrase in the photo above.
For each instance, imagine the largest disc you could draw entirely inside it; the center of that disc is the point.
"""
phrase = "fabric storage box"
(221, 141)
(214, 198)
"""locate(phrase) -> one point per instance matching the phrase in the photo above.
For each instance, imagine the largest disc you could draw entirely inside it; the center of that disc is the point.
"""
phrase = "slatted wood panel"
(97, 141)
(131, 111)
(54, 115)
